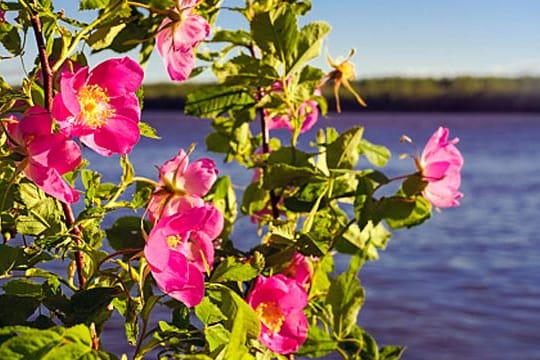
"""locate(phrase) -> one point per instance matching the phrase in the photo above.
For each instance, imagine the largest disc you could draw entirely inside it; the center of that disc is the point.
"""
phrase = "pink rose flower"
(46, 155)
(182, 185)
(176, 40)
(279, 303)
(440, 165)
(100, 106)
(308, 112)
(179, 250)
(299, 269)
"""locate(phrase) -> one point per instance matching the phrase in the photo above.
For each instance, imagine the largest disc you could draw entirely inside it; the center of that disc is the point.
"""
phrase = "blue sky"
(408, 37)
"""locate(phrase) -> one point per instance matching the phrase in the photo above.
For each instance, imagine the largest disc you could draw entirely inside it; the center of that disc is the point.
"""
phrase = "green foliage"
(21, 342)
(316, 202)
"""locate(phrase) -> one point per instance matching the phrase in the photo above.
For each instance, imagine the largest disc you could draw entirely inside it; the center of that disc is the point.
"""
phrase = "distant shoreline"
(461, 94)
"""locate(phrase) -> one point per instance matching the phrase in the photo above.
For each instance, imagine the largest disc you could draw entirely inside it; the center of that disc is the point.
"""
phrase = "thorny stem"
(265, 141)
(44, 60)
(48, 88)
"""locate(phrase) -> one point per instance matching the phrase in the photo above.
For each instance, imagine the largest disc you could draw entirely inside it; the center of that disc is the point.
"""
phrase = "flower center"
(173, 241)
(94, 103)
(347, 70)
(270, 315)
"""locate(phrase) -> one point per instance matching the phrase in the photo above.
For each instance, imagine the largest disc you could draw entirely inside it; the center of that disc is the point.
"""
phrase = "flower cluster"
(179, 249)
(98, 106)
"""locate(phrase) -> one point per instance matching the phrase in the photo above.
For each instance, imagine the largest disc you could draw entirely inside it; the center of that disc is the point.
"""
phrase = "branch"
(46, 70)
(47, 73)
(274, 199)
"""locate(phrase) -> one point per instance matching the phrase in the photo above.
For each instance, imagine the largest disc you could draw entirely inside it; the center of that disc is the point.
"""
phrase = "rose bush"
(177, 250)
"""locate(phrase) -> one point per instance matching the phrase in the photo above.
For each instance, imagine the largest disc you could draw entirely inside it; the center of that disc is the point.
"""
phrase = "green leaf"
(275, 32)
(241, 319)
(217, 337)
(53, 343)
(148, 131)
(223, 197)
(318, 343)
(413, 185)
(9, 258)
(254, 199)
(403, 212)
(346, 297)
(208, 312)
(104, 36)
(281, 175)
(143, 192)
(231, 269)
(245, 70)
(343, 152)
(213, 101)
(87, 306)
(23, 288)
(378, 155)
(10, 39)
(391, 352)
(238, 37)
(93, 4)
(14, 310)
(126, 233)
(308, 45)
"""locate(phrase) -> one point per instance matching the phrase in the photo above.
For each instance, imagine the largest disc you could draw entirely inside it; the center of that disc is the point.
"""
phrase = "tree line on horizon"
(466, 93)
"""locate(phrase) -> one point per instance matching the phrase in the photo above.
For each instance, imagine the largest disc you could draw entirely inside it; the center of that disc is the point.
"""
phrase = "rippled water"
(465, 285)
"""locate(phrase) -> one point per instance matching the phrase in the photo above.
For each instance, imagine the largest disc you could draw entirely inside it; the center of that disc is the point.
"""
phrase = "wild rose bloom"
(182, 185)
(440, 165)
(179, 250)
(176, 39)
(299, 269)
(308, 112)
(100, 106)
(46, 155)
(279, 303)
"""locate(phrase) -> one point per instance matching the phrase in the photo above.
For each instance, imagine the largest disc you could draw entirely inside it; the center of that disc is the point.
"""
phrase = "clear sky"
(408, 37)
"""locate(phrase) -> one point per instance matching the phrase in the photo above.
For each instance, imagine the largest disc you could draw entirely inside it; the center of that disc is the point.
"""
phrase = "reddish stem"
(47, 73)
(274, 199)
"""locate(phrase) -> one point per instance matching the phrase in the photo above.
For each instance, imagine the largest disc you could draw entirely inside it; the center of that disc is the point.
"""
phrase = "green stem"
(80, 35)
(170, 13)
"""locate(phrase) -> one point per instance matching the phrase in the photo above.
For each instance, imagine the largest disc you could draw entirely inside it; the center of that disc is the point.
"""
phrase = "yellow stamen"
(95, 108)
(270, 315)
(173, 241)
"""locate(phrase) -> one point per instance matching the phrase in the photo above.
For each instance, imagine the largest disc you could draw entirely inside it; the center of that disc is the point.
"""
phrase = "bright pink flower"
(100, 106)
(279, 303)
(182, 185)
(440, 164)
(179, 250)
(176, 40)
(308, 112)
(47, 156)
(299, 269)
